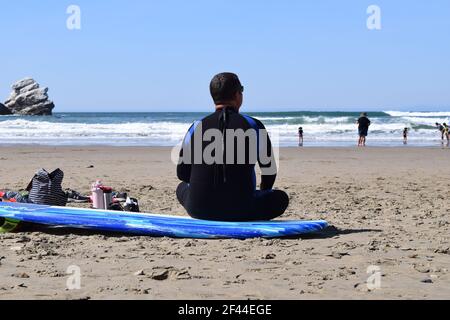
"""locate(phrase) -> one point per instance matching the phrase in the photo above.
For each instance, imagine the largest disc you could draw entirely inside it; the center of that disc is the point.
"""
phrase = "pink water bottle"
(97, 196)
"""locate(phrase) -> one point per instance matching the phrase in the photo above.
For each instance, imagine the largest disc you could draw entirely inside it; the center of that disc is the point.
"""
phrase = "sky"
(154, 55)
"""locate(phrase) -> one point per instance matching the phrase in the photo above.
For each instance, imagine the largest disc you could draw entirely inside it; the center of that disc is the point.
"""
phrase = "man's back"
(239, 176)
(233, 176)
(364, 122)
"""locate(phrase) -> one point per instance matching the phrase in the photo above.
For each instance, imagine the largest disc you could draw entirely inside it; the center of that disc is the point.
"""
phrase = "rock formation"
(27, 98)
(4, 110)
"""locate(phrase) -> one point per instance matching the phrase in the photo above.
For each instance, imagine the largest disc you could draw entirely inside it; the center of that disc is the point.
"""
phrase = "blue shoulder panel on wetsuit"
(254, 125)
(191, 131)
(251, 122)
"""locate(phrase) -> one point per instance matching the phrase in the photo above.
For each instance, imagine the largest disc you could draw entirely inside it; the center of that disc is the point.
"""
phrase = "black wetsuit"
(214, 191)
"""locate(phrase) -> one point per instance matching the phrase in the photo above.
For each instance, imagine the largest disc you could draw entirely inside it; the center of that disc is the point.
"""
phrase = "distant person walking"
(405, 135)
(363, 129)
(440, 127)
(300, 137)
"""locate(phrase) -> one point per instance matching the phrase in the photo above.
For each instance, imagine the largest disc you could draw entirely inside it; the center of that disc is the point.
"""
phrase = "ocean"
(169, 128)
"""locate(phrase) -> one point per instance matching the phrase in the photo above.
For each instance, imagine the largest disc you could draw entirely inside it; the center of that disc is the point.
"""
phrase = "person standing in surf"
(363, 129)
(405, 136)
(300, 137)
(223, 187)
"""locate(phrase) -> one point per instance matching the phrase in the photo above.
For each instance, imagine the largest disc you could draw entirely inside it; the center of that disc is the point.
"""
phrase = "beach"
(388, 208)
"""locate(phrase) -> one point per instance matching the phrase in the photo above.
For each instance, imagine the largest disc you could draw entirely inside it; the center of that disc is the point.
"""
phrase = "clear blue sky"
(291, 55)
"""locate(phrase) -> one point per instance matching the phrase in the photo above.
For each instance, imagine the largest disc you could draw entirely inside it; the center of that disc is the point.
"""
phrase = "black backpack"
(46, 188)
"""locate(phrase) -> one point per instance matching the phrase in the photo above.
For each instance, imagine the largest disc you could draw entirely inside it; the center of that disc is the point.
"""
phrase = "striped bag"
(46, 189)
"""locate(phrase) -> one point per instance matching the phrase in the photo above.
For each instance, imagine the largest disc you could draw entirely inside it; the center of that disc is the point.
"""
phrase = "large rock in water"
(27, 98)
(4, 110)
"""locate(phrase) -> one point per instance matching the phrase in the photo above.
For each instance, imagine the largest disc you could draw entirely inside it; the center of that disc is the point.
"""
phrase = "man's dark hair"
(224, 86)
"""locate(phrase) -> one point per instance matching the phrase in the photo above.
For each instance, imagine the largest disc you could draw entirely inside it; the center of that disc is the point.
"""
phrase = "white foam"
(36, 131)
(168, 133)
(276, 118)
(425, 121)
(418, 114)
(309, 119)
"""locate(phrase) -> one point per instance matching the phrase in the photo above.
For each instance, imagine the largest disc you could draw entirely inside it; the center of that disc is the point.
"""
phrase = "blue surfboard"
(154, 224)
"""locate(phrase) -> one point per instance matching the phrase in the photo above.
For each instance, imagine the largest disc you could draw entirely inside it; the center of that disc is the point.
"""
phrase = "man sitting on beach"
(363, 129)
(224, 188)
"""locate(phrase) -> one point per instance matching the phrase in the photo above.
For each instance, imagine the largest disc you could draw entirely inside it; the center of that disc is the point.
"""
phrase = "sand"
(389, 208)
